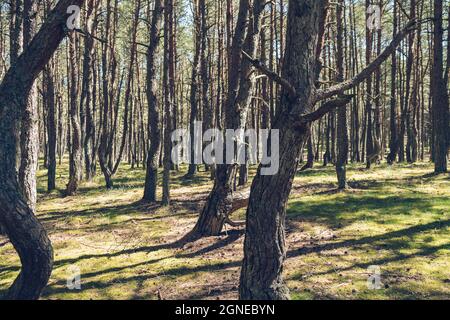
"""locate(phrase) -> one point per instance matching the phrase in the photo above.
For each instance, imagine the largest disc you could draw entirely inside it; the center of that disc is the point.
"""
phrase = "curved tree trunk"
(241, 80)
(27, 235)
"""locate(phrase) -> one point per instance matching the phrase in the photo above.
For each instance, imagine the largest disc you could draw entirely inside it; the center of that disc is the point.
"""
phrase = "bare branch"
(326, 108)
(271, 75)
(322, 94)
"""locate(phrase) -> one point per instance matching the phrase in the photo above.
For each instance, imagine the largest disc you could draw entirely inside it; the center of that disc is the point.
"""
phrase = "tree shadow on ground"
(372, 240)
(345, 210)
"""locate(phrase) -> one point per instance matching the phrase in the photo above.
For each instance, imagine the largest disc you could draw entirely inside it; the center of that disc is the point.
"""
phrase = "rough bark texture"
(264, 247)
(75, 156)
(440, 95)
(27, 235)
(29, 134)
(154, 132)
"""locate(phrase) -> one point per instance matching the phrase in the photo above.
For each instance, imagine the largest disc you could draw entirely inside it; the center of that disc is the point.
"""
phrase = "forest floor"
(396, 218)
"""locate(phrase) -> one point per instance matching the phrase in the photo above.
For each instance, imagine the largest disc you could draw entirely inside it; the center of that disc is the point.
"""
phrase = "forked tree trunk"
(26, 234)
(264, 246)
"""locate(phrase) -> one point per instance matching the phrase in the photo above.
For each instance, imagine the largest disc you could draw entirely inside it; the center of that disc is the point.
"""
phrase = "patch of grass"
(396, 218)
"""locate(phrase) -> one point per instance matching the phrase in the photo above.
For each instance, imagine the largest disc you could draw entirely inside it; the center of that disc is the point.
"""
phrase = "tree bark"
(342, 128)
(29, 135)
(440, 96)
(27, 235)
(75, 156)
(154, 132)
(240, 87)
(264, 246)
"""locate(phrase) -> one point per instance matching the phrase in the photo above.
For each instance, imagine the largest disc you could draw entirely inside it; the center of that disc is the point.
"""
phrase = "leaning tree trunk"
(241, 80)
(154, 132)
(26, 234)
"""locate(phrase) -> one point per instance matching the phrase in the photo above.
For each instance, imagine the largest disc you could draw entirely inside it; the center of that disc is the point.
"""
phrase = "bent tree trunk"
(241, 83)
(26, 234)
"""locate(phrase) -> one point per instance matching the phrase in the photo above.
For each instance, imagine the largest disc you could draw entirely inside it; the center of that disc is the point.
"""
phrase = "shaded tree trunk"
(154, 132)
(440, 96)
(264, 246)
(342, 129)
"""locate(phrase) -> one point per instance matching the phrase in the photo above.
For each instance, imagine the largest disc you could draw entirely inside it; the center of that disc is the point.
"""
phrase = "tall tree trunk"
(51, 123)
(87, 99)
(342, 129)
(154, 132)
(168, 98)
(29, 135)
(393, 140)
(194, 97)
(264, 246)
(75, 156)
(440, 95)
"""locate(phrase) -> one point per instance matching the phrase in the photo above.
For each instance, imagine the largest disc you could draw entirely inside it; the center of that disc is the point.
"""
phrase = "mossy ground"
(394, 217)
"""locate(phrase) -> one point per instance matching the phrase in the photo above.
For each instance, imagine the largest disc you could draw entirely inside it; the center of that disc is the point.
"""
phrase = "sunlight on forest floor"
(394, 217)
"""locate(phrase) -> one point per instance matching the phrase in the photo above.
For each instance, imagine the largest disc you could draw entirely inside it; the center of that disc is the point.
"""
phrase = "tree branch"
(322, 94)
(327, 107)
(271, 75)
